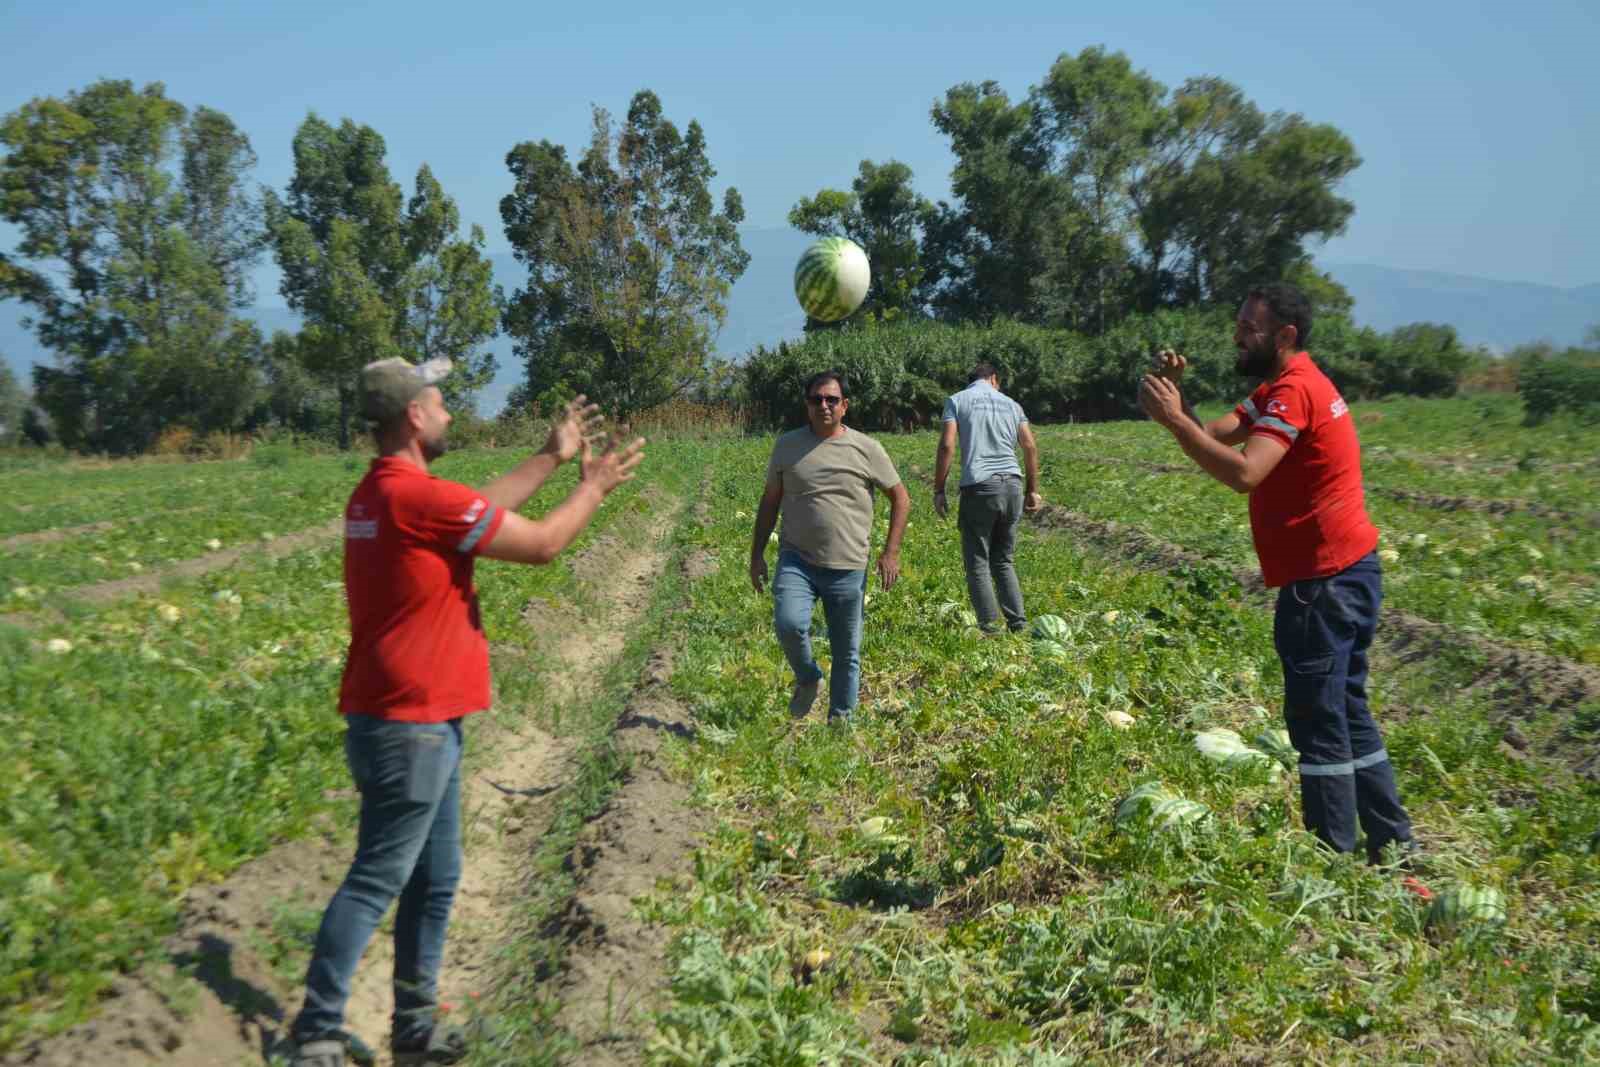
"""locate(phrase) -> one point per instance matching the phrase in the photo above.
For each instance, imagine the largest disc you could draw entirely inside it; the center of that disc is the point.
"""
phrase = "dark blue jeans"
(1323, 630)
(408, 846)
(796, 588)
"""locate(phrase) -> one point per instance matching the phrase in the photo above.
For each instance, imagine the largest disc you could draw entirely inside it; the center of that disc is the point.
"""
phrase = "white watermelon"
(831, 279)
(1221, 745)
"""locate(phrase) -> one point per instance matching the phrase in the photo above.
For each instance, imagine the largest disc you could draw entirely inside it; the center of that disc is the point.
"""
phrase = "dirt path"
(244, 986)
(52, 535)
(150, 582)
(104, 592)
(614, 965)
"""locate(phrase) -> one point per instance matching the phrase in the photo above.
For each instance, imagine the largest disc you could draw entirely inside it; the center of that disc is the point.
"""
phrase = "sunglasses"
(819, 400)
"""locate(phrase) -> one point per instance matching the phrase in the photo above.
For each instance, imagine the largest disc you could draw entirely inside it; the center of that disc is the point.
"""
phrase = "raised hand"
(579, 422)
(612, 466)
(1169, 365)
(1161, 400)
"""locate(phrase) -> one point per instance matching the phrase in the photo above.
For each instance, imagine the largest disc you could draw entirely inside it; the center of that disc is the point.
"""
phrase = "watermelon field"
(959, 878)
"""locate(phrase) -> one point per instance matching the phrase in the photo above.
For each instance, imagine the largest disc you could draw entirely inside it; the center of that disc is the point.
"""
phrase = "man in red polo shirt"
(418, 664)
(1301, 466)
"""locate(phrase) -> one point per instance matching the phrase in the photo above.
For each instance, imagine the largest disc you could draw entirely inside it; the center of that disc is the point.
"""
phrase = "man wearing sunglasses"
(821, 477)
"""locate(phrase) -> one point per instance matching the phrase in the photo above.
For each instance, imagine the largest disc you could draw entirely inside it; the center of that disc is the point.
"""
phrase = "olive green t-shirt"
(827, 494)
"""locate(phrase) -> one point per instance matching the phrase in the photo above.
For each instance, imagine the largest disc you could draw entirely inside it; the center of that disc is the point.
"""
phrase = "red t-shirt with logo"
(1309, 516)
(417, 648)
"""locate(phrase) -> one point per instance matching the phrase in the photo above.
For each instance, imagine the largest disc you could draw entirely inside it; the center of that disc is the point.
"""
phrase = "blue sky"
(1479, 127)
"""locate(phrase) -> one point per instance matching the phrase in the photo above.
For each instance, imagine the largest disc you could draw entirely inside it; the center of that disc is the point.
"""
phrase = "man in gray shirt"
(991, 425)
(822, 477)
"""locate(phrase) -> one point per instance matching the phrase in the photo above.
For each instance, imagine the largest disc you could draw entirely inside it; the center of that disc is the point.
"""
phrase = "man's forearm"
(1225, 464)
(766, 521)
(941, 466)
(566, 521)
(513, 489)
(1188, 409)
(899, 515)
(1030, 464)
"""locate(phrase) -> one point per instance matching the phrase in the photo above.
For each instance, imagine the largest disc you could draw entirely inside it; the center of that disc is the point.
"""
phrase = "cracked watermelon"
(831, 279)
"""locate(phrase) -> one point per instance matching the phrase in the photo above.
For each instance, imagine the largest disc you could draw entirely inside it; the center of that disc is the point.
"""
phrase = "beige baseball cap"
(388, 385)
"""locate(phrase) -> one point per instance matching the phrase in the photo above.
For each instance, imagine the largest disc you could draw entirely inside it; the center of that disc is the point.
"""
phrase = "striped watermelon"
(1467, 905)
(831, 279)
(1165, 808)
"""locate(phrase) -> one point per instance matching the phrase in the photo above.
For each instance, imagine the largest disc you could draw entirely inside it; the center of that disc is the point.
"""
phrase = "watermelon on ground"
(1276, 744)
(831, 279)
(1051, 628)
(1221, 745)
(1467, 905)
(1166, 809)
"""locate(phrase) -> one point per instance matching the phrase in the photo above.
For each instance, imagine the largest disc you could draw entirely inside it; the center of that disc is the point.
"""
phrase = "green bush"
(899, 373)
(1549, 382)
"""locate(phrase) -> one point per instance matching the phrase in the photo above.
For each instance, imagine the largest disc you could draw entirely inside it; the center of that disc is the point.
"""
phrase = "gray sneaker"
(805, 695)
(333, 1050)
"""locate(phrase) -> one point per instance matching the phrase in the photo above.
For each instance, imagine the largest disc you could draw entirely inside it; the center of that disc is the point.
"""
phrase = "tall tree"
(1094, 119)
(454, 303)
(629, 263)
(883, 214)
(14, 404)
(1104, 192)
(223, 211)
(985, 253)
(116, 268)
(372, 276)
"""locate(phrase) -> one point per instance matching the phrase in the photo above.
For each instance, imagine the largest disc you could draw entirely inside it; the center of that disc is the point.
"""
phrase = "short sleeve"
(456, 518)
(1283, 413)
(949, 409)
(774, 466)
(1022, 416)
(880, 468)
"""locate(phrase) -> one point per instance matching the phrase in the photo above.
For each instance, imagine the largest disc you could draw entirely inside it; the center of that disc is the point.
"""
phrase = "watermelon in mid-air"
(831, 279)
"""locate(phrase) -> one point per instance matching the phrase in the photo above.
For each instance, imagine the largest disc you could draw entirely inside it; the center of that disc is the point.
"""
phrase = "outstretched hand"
(580, 422)
(612, 466)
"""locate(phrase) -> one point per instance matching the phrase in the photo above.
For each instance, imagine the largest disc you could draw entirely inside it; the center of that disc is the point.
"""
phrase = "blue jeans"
(990, 512)
(1322, 630)
(796, 587)
(408, 846)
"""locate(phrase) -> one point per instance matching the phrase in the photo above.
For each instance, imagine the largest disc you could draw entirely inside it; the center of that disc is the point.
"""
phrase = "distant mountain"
(762, 309)
(1499, 314)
